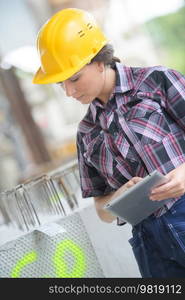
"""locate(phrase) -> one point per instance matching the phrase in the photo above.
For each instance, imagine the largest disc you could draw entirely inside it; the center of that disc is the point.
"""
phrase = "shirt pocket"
(97, 155)
(168, 153)
(148, 121)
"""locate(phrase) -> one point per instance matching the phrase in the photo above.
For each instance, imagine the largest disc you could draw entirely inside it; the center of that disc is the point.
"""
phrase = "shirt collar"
(124, 79)
(124, 83)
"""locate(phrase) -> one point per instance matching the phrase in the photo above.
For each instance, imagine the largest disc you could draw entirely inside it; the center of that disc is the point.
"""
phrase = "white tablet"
(134, 204)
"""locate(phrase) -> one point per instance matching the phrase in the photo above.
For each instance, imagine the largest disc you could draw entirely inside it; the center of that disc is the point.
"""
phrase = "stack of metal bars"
(40, 200)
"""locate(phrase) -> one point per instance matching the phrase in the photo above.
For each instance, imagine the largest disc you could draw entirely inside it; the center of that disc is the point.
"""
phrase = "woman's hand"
(126, 186)
(102, 200)
(175, 186)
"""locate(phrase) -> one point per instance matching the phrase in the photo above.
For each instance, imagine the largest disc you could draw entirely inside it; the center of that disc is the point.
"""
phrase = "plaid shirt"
(151, 102)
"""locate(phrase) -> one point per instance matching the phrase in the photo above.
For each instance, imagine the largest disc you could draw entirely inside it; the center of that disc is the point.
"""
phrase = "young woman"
(135, 124)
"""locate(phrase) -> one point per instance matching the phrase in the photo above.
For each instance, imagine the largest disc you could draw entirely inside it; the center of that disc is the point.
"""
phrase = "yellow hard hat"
(67, 42)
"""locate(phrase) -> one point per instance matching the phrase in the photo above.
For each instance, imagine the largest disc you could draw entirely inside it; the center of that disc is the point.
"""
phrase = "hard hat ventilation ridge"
(81, 33)
(89, 26)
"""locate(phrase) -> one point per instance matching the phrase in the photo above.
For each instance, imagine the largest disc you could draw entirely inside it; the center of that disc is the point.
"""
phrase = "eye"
(75, 79)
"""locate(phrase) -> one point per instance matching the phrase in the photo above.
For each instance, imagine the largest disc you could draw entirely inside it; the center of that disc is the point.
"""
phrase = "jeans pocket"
(135, 241)
(178, 233)
(140, 253)
(175, 221)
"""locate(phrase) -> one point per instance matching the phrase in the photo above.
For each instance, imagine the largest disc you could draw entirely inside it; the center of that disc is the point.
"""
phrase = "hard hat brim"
(43, 78)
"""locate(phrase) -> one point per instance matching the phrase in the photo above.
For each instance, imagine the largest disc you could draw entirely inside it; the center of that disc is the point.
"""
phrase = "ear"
(101, 66)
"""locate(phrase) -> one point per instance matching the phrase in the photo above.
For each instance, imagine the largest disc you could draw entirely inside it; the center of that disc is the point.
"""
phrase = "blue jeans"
(158, 243)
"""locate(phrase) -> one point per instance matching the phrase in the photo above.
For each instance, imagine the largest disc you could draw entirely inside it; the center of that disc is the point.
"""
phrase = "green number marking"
(60, 260)
(27, 259)
(61, 264)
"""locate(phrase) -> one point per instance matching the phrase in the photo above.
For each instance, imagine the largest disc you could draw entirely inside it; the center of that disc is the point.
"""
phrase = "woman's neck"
(109, 85)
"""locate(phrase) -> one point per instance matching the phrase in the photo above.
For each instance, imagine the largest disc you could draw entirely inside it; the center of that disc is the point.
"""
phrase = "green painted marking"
(27, 259)
(64, 249)
(55, 197)
(60, 262)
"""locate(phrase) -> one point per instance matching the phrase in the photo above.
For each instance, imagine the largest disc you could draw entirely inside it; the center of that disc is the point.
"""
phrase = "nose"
(69, 88)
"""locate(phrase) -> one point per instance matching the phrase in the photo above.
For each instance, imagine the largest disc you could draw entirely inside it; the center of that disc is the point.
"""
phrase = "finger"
(129, 184)
(165, 196)
(136, 179)
(163, 188)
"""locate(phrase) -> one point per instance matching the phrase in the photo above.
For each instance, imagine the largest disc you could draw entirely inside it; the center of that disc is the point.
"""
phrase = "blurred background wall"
(37, 123)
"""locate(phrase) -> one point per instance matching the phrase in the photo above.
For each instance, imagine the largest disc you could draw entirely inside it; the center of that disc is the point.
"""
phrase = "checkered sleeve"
(92, 183)
(174, 91)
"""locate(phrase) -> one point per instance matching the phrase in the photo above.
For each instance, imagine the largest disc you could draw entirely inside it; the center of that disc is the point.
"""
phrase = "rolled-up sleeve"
(92, 183)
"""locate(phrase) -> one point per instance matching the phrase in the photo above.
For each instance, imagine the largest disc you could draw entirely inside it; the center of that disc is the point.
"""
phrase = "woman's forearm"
(102, 213)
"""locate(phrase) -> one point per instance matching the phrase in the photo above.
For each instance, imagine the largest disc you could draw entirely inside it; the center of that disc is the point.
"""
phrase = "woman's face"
(87, 84)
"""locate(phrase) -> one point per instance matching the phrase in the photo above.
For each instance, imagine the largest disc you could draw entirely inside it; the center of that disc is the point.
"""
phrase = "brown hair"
(106, 55)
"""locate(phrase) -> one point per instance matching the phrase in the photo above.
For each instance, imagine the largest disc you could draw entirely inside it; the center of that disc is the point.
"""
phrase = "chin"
(86, 100)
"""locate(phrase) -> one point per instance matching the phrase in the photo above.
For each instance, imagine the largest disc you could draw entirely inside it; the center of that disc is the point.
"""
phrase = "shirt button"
(132, 160)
